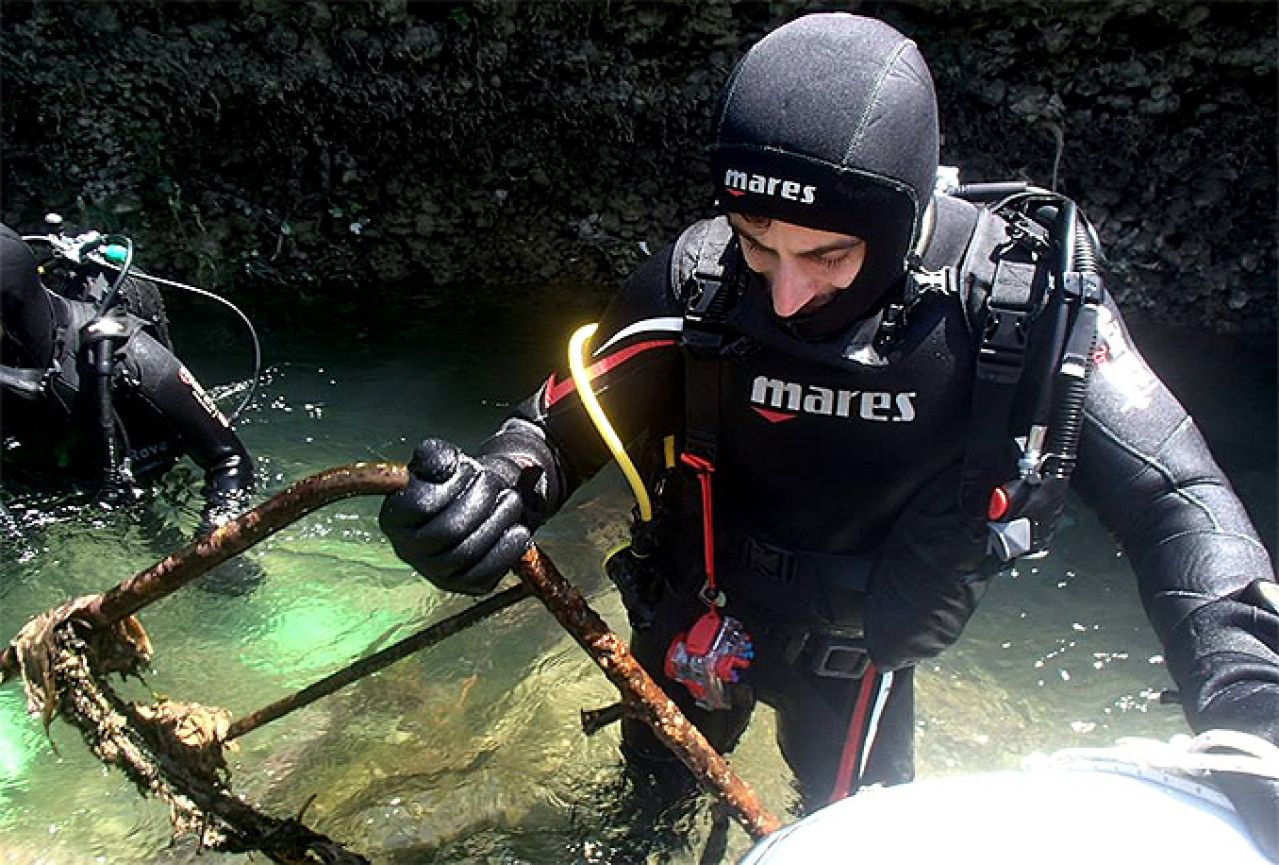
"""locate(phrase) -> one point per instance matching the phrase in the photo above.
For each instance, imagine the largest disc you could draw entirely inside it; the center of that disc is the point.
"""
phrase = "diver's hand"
(458, 521)
(221, 506)
(930, 575)
(239, 575)
(925, 586)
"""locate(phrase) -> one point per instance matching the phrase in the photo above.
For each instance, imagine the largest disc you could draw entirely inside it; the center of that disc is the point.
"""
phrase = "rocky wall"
(430, 150)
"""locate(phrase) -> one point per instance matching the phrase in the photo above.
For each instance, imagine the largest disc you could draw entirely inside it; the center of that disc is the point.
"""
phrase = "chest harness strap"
(716, 649)
(710, 290)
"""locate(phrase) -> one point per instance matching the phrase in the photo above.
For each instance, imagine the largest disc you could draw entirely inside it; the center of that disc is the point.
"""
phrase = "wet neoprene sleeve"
(160, 379)
(635, 371)
(1147, 471)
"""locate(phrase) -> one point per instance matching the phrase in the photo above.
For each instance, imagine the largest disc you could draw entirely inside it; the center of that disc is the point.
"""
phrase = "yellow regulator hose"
(578, 352)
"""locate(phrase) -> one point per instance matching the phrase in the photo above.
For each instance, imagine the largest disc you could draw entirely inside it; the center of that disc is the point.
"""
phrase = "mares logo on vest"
(777, 401)
(738, 183)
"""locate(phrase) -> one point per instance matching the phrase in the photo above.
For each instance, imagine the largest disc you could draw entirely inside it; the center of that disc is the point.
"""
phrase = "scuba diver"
(92, 397)
(855, 395)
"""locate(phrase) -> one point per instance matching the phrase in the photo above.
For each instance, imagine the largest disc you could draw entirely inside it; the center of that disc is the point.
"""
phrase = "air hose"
(629, 566)
(102, 336)
(106, 335)
(121, 258)
(244, 319)
(577, 355)
(1082, 285)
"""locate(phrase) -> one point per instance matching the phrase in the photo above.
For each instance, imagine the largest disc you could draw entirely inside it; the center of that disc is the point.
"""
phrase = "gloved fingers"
(503, 467)
(421, 500)
(479, 540)
(484, 575)
(462, 516)
(434, 460)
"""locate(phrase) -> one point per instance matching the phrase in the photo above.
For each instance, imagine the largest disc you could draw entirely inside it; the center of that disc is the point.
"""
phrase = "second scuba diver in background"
(93, 399)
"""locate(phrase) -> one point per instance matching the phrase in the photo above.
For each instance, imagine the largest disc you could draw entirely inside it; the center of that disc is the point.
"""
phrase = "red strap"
(704, 469)
(554, 391)
(850, 761)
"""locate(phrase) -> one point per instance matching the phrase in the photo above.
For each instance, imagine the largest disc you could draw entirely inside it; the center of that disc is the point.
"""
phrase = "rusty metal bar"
(379, 660)
(167, 576)
(645, 700)
(594, 720)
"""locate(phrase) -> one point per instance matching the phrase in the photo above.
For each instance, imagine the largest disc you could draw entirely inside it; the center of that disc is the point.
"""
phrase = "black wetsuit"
(821, 454)
(53, 440)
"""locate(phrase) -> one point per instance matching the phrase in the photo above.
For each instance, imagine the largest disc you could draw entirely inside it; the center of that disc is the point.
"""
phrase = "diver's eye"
(830, 262)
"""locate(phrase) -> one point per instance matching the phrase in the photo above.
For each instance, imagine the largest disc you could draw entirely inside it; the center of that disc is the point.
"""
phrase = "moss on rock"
(428, 148)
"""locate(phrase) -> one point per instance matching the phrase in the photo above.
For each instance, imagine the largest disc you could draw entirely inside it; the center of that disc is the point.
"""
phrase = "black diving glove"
(929, 576)
(459, 521)
(1225, 656)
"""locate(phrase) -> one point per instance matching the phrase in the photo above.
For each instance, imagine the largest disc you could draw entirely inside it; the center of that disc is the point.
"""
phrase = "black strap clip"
(1002, 353)
(769, 561)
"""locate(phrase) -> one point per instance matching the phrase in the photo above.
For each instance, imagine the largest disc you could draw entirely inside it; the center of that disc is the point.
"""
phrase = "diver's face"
(803, 268)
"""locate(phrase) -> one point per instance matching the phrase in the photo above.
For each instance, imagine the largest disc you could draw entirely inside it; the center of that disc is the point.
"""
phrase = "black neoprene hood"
(830, 122)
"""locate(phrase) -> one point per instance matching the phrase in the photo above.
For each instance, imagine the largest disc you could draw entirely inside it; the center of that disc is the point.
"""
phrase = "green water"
(471, 751)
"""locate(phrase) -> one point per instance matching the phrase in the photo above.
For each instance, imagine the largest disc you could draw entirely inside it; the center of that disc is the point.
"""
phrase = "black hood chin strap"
(882, 280)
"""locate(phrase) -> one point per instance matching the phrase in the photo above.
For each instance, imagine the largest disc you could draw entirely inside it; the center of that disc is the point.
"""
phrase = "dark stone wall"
(430, 150)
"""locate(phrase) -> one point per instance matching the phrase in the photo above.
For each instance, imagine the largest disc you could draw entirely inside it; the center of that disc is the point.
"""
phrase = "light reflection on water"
(472, 750)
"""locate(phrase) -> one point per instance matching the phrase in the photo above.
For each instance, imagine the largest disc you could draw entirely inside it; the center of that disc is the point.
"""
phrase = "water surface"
(471, 751)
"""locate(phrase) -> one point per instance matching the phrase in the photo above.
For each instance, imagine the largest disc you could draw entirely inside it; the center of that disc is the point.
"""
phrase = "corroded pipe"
(644, 699)
(594, 720)
(236, 536)
(198, 557)
(379, 660)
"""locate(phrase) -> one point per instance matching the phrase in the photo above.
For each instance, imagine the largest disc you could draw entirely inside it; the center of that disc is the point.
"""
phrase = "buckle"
(920, 281)
(703, 291)
(769, 561)
(1003, 346)
(711, 596)
(838, 657)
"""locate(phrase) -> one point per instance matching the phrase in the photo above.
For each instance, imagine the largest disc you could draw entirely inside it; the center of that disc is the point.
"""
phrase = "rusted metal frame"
(237, 826)
(643, 698)
(379, 660)
(172, 573)
(594, 720)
